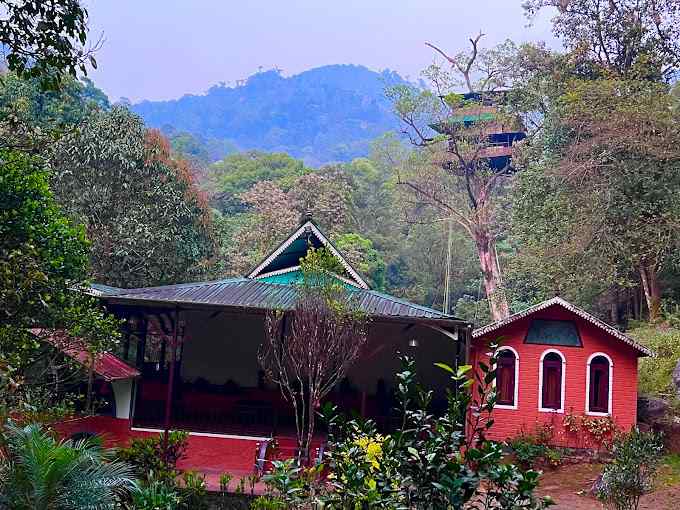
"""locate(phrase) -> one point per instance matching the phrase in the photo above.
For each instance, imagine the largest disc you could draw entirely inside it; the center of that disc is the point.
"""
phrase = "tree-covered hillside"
(326, 114)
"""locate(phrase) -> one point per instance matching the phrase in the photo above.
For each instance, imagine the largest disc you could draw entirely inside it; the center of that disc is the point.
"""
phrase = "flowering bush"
(599, 428)
(363, 470)
(430, 462)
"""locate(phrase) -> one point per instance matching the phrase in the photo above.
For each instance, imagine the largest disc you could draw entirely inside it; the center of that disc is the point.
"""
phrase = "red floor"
(211, 456)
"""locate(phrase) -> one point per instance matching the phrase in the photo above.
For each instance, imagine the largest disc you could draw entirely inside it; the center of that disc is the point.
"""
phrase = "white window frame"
(562, 386)
(515, 397)
(609, 389)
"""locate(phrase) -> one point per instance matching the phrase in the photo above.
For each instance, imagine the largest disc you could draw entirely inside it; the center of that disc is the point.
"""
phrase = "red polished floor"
(209, 455)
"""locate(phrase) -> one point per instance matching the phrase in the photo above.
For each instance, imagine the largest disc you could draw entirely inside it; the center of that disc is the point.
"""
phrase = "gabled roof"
(558, 301)
(286, 257)
(106, 365)
(245, 293)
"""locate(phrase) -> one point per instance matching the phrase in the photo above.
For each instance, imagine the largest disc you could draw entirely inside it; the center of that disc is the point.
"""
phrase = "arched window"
(599, 384)
(551, 375)
(507, 371)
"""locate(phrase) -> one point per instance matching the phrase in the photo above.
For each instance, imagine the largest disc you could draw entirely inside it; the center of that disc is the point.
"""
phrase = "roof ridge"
(557, 300)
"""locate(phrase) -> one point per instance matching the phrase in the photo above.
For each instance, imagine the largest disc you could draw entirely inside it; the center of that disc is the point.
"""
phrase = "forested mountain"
(326, 114)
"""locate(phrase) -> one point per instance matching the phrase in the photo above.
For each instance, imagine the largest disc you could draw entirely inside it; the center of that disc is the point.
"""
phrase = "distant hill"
(326, 114)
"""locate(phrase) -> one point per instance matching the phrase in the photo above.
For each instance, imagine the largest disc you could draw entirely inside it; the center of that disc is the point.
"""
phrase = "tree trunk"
(650, 285)
(90, 384)
(491, 272)
(614, 306)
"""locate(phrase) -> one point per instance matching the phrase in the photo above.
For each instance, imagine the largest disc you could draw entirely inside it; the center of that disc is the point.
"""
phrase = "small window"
(598, 394)
(550, 332)
(551, 392)
(505, 378)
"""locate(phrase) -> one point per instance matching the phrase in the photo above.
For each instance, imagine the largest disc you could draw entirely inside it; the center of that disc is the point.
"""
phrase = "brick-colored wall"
(510, 422)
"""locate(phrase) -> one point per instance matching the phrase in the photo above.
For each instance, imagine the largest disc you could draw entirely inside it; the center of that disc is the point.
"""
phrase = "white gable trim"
(567, 306)
(309, 226)
(277, 272)
(296, 268)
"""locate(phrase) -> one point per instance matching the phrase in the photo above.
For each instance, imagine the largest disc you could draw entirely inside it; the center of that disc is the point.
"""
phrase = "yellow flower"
(374, 454)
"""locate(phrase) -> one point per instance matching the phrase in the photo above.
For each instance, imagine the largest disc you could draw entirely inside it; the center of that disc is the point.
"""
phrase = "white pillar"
(122, 392)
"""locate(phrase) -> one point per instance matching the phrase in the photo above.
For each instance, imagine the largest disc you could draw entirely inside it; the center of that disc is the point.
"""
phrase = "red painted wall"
(510, 422)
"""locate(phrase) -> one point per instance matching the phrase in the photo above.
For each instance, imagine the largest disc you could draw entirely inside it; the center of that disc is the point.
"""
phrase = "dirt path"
(570, 487)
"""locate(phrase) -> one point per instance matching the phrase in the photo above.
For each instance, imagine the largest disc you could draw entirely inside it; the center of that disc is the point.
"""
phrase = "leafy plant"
(600, 428)
(268, 503)
(194, 491)
(225, 479)
(252, 480)
(155, 495)
(154, 462)
(636, 459)
(530, 448)
(241, 486)
(292, 485)
(526, 450)
(41, 473)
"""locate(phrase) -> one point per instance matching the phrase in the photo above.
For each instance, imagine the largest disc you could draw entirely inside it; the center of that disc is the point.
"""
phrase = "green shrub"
(636, 459)
(225, 480)
(291, 484)
(268, 503)
(151, 460)
(194, 491)
(430, 462)
(155, 495)
(526, 450)
(655, 373)
(553, 457)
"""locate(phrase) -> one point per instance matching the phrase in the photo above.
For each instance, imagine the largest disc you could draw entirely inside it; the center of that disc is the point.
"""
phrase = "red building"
(560, 370)
(190, 353)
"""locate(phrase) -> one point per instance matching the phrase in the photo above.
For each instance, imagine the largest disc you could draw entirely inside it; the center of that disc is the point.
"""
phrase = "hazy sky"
(163, 49)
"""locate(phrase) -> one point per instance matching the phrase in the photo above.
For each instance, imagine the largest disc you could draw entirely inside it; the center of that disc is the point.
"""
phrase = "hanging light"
(413, 342)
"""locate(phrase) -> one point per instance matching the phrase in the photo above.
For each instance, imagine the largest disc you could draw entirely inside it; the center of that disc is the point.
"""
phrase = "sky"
(163, 49)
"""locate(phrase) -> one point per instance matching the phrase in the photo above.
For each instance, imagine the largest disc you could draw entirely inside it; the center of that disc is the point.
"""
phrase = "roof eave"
(188, 305)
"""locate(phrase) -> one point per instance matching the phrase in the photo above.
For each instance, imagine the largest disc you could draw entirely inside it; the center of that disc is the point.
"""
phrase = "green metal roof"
(258, 294)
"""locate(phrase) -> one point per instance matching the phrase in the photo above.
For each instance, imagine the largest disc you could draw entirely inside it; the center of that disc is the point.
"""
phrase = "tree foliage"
(453, 171)
(32, 118)
(43, 261)
(148, 222)
(45, 40)
(638, 39)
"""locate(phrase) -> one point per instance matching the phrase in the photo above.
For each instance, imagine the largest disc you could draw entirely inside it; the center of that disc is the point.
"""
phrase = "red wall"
(510, 422)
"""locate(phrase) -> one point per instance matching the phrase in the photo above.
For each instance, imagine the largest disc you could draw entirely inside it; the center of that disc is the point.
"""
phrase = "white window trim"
(540, 382)
(515, 397)
(610, 387)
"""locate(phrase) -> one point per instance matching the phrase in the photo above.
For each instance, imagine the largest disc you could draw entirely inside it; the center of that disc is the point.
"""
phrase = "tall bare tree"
(308, 350)
(453, 171)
